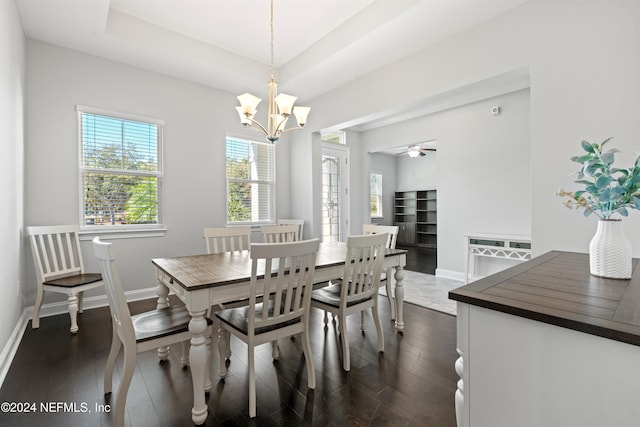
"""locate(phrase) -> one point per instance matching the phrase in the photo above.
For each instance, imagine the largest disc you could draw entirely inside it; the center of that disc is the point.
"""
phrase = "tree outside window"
(250, 181)
(120, 172)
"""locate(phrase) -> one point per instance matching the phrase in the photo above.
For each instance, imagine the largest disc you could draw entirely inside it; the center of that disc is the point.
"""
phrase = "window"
(337, 136)
(251, 181)
(120, 171)
(376, 195)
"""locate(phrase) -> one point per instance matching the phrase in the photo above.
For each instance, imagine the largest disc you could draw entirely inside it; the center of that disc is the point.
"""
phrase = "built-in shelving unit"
(415, 213)
(427, 218)
(404, 211)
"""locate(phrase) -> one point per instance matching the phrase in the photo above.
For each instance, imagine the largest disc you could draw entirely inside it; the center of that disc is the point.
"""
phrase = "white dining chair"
(227, 239)
(298, 222)
(387, 277)
(282, 274)
(138, 333)
(357, 290)
(59, 268)
(220, 240)
(280, 233)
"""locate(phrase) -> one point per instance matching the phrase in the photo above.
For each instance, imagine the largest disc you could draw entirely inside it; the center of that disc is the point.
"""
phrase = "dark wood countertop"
(557, 288)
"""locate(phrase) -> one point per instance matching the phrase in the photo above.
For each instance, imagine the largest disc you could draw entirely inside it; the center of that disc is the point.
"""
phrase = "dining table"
(203, 281)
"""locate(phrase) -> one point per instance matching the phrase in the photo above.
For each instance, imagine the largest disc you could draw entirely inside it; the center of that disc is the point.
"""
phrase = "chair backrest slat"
(117, 301)
(391, 230)
(363, 266)
(56, 251)
(227, 239)
(282, 274)
(298, 222)
(280, 233)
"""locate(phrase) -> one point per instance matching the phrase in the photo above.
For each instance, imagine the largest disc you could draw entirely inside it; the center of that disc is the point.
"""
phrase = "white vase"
(610, 251)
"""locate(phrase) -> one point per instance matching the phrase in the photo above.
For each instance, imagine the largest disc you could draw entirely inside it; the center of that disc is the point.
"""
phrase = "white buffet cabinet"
(545, 344)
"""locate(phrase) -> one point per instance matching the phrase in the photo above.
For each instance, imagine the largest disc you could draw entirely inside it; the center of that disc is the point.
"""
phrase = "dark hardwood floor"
(411, 384)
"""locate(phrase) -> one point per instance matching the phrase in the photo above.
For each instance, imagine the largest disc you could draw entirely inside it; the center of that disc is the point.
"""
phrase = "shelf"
(417, 215)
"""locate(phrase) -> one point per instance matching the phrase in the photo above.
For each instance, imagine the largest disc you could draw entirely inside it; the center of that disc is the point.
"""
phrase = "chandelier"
(280, 106)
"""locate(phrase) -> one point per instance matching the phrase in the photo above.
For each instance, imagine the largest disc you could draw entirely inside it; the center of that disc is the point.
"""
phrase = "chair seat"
(330, 295)
(162, 322)
(75, 280)
(238, 318)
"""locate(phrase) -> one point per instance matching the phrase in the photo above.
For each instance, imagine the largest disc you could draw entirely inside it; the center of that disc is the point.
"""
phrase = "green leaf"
(605, 196)
(603, 181)
(605, 141)
(588, 147)
(608, 158)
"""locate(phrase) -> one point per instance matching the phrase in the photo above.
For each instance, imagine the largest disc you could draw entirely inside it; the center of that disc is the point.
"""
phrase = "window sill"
(89, 234)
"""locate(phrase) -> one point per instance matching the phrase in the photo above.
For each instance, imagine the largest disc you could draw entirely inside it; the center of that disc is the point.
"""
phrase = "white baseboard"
(53, 309)
(450, 274)
(10, 349)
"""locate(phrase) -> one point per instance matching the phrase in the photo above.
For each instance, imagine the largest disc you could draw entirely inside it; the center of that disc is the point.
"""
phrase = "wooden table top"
(557, 288)
(208, 270)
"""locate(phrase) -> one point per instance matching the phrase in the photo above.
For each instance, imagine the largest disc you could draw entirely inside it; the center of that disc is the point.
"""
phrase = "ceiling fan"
(417, 150)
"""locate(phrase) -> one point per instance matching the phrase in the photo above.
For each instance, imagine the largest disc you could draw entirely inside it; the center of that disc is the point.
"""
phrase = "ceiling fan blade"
(422, 153)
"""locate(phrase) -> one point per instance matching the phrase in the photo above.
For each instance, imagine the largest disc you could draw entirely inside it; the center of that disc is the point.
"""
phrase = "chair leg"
(223, 350)
(80, 302)
(346, 357)
(376, 320)
(184, 358)
(163, 353)
(125, 381)
(362, 321)
(111, 360)
(73, 312)
(252, 382)
(308, 358)
(390, 297)
(35, 320)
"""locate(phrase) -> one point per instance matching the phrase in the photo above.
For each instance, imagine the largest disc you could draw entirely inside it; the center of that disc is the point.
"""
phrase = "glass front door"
(334, 191)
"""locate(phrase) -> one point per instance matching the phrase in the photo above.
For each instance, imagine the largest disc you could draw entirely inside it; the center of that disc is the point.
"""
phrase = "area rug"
(428, 291)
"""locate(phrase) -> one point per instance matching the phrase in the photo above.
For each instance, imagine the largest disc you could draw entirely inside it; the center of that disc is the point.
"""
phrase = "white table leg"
(198, 359)
(163, 301)
(399, 295)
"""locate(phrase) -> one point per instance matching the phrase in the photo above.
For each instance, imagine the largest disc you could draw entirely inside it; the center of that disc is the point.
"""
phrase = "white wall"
(482, 162)
(197, 120)
(583, 61)
(12, 87)
(419, 173)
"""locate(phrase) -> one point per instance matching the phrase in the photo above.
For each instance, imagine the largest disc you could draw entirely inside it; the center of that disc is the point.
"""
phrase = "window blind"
(250, 181)
(120, 171)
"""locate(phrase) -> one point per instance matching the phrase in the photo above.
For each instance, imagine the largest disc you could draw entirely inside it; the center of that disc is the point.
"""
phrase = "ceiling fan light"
(301, 114)
(413, 152)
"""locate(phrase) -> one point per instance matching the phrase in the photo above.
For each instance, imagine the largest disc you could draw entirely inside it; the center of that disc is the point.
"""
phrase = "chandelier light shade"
(280, 107)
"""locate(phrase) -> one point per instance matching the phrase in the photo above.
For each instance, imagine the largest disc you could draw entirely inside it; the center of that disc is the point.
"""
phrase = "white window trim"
(122, 231)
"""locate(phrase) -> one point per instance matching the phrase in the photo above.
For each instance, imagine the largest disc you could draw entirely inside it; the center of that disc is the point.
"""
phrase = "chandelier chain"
(271, 31)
